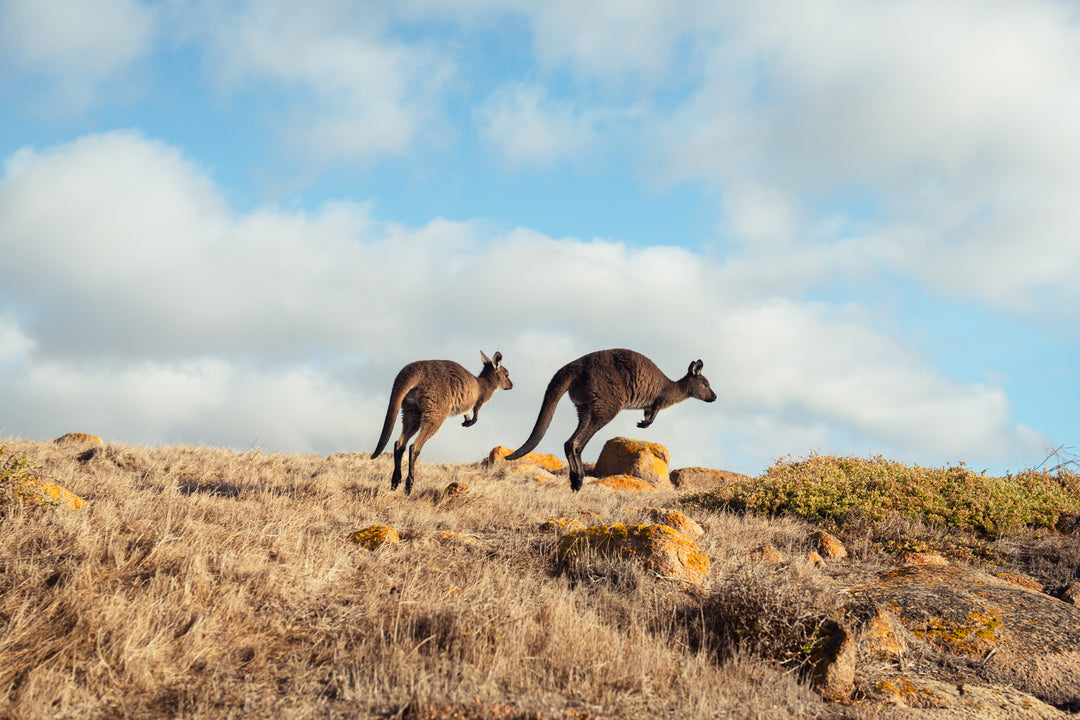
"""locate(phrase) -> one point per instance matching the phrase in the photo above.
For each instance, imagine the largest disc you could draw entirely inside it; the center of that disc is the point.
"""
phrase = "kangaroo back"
(558, 386)
(406, 380)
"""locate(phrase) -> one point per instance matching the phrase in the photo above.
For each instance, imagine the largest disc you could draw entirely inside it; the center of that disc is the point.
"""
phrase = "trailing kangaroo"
(429, 391)
(601, 384)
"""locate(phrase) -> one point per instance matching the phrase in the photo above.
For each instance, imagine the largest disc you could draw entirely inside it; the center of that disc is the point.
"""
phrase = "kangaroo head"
(696, 385)
(495, 372)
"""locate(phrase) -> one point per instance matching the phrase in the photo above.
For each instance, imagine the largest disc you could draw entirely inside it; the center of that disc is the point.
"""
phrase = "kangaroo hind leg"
(410, 424)
(590, 421)
(428, 427)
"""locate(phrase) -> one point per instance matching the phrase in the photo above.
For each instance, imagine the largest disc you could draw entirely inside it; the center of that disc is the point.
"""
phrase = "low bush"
(845, 491)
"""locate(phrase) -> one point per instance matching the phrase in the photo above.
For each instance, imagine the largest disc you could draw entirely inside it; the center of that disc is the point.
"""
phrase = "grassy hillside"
(203, 582)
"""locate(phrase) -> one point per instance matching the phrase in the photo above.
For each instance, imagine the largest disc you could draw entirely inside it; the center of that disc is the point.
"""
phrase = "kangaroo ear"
(485, 358)
(695, 367)
(497, 359)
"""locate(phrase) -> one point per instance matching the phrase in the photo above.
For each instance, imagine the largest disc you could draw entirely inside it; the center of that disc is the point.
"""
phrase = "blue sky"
(232, 223)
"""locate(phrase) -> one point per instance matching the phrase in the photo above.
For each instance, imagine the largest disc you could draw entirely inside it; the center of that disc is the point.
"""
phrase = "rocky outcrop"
(636, 458)
(665, 551)
(699, 479)
(998, 631)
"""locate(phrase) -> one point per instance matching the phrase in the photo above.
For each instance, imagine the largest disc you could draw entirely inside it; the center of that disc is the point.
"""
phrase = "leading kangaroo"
(429, 391)
(601, 384)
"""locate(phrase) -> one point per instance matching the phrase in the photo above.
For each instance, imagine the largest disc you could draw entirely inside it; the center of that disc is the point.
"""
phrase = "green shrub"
(841, 491)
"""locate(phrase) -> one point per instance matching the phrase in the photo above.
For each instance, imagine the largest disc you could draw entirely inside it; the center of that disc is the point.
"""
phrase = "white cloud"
(357, 94)
(74, 44)
(150, 300)
(15, 345)
(531, 129)
(949, 126)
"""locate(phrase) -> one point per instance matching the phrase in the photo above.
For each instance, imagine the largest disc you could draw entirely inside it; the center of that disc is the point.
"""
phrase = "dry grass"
(207, 583)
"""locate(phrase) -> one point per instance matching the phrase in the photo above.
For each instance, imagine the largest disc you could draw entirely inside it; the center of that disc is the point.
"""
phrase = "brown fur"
(427, 392)
(603, 383)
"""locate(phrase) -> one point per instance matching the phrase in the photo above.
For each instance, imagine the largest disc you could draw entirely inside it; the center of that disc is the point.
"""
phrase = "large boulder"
(1006, 633)
(644, 460)
(662, 549)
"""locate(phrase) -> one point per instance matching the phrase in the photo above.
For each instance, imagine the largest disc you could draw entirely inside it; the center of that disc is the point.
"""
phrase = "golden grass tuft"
(203, 582)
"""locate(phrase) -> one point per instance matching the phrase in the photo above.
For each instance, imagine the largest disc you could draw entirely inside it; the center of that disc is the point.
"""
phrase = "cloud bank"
(144, 309)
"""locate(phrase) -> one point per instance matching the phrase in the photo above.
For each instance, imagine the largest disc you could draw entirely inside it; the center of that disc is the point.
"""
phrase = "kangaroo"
(428, 392)
(603, 383)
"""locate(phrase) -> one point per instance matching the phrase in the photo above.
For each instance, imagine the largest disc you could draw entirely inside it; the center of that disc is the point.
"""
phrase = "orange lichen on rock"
(643, 460)
(81, 438)
(20, 482)
(1025, 581)
(662, 549)
(624, 482)
(551, 463)
(375, 537)
(920, 558)
(828, 545)
(35, 491)
(674, 519)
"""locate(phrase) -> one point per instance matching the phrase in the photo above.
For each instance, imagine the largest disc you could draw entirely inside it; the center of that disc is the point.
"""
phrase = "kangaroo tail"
(402, 386)
(555, 389)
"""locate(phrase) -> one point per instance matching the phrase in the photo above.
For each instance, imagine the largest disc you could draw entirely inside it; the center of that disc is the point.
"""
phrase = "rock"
(561, 525)
(880, 635)
(643, 460)
(662, 549)
(930, 698)
(921, 558)
(551, 463)
(828, 545)
(815, 559)
(1071, 593)
(80, 438)
(1022, 580)
(674, 519)
(375, 537)
(832, 662)
(30, 490)
(699, 478)
(456, 490)
(1008, 634)
(624, 482)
